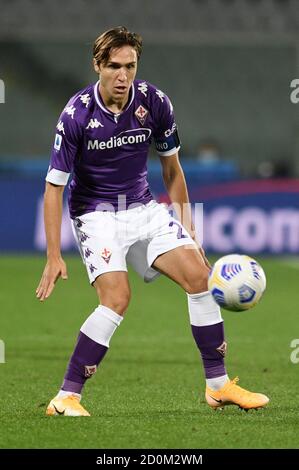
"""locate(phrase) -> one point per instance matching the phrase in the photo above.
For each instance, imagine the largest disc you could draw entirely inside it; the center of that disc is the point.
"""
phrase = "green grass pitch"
(149, 390)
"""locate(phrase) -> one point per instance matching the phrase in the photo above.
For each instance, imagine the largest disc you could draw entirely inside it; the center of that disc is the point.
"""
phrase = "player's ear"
(95, 66)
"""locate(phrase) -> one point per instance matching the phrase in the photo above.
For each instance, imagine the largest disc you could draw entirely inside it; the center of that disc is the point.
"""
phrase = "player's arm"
(167, 145)
(55, 266)
(175, 183)
(61, 165)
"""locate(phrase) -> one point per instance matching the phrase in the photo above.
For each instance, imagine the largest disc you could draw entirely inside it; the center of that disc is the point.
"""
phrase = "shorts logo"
(57, 143)
(106, 255)
(90, 370)
(87, 252)
(92, 268)
(141, 114)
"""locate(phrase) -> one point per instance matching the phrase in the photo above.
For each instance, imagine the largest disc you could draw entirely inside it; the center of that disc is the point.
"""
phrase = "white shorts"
(109, 240)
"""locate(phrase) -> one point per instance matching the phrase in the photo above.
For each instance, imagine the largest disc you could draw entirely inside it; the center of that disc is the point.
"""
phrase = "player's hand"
(54, 269)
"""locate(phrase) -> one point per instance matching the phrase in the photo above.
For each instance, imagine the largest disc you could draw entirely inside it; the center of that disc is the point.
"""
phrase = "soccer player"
(102, 138)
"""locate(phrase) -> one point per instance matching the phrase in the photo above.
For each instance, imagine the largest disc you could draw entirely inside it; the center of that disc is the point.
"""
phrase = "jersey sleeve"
(65, 148)
(166, 137)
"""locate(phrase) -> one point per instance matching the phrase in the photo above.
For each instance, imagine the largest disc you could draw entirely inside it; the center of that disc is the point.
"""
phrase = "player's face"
(118, 73)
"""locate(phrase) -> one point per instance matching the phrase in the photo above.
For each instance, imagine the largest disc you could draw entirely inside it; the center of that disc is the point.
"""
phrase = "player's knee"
(197, 281)
(117, 301)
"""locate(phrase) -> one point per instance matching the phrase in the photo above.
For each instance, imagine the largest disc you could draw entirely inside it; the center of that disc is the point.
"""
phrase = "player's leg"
(106, 266)
(93, 342)
(169, 252)
(97, 330)
(168, 248)
(187, 268)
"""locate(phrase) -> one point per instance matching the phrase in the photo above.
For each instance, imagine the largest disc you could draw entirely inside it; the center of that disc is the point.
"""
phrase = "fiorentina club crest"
(141, 114)
(222, 348)
(90, 370)
(106, 255)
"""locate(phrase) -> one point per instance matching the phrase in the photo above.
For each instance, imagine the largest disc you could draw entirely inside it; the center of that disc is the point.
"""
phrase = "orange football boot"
(232, 394)
(66, 406)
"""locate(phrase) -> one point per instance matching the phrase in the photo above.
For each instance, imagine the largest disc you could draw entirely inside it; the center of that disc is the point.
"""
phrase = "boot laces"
(74, 399)
(241, 390)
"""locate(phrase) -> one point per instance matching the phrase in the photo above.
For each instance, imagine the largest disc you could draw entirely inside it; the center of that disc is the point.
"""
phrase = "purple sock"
(210, 342)
(83, 363)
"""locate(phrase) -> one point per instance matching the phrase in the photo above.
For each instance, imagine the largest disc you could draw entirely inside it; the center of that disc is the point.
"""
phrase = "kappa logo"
(161, 95)
(142, 87)
(83, 237)
(94, 124)
(60, 127)
(90, 370)
(85, 99)
(141, 114)
(87, 252)
(92, 268)
(222, 348)
(70, 110)
(79, 222)
(106, 254)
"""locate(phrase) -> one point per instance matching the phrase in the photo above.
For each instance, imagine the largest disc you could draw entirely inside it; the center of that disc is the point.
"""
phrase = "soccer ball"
(237, 282)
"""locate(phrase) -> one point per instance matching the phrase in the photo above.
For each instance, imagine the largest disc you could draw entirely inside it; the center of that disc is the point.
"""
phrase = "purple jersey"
(107, 152)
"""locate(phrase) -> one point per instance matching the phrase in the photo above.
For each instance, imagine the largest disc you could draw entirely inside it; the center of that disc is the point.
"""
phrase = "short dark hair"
(113, 39)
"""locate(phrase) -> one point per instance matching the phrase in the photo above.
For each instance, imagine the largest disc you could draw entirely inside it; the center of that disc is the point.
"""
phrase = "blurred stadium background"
(227, 66)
